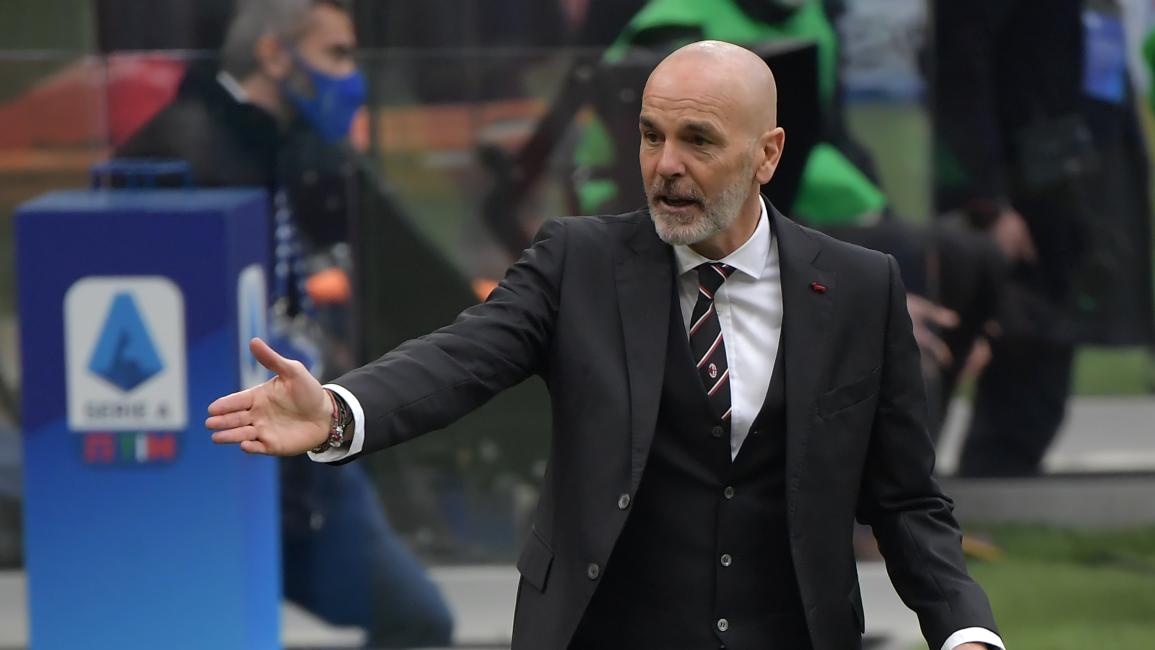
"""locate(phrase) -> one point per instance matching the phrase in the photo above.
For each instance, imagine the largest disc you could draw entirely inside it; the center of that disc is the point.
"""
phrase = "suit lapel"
(805, 316)
(643, 270)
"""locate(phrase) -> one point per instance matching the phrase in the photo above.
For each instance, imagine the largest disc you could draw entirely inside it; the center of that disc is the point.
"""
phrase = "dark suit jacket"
(587, 308)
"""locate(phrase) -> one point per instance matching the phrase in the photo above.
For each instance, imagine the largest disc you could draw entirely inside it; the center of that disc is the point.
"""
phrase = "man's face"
(697, 157)
(329, 42)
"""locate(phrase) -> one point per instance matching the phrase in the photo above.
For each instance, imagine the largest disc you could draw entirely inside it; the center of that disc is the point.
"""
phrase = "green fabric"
(1149, 57)
(594, 150)
(595, 147)
(723, 20)
(834, 191)
(595, 193)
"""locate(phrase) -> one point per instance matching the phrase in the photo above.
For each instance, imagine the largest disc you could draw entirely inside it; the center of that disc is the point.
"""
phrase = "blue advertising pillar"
(135, 311)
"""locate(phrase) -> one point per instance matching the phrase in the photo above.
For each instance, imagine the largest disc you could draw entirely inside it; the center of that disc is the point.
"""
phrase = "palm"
(285, 416)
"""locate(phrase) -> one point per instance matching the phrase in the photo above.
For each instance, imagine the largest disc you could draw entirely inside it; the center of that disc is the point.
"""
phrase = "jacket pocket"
(848, 395)
(535, 560)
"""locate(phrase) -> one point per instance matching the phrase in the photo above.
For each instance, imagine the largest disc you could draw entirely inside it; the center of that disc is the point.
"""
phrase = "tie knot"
(711, 275)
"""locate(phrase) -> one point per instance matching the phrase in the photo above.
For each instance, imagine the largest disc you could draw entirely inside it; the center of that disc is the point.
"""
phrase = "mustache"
(671, 190)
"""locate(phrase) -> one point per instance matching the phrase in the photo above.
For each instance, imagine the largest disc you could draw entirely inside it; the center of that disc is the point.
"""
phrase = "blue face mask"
(334, 102)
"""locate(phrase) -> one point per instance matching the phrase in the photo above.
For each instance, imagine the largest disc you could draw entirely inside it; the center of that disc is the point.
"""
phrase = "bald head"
(737, 78)
(709, 141)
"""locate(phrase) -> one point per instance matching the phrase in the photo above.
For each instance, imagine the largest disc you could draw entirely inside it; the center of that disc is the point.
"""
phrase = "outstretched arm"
(423, 385)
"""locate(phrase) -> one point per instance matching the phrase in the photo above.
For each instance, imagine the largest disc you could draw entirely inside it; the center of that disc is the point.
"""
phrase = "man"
(702, 486)
(274, 115)
(951, 274)
(1026, 150)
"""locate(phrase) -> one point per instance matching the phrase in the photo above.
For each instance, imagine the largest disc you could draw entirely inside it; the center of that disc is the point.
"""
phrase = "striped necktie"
(706, 340)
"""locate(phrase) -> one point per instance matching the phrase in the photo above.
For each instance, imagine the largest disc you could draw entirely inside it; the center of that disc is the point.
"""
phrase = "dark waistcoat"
(704, 558)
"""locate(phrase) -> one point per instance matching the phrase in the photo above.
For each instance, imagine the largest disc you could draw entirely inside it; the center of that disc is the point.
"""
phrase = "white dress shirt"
(749, 306)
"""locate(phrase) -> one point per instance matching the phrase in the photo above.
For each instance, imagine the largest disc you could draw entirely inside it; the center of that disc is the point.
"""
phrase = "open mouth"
(677, 201)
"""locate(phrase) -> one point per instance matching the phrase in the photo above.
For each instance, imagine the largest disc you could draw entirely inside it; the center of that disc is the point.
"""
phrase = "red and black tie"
(706, 339)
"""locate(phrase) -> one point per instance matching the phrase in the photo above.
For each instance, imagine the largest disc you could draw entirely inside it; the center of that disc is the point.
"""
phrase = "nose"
(670, 163)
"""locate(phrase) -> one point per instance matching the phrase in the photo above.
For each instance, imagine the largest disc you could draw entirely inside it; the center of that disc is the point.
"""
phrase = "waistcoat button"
(593, 571)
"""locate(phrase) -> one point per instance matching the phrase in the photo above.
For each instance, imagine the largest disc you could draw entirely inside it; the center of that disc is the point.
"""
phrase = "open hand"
(285, 416)
(926, 317)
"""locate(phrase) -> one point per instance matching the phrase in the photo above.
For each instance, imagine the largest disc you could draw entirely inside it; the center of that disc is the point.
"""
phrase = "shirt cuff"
(973, 635)
(333, 455)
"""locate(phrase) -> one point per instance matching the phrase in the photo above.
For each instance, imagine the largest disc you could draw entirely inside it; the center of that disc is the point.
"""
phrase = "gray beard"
(717, 215)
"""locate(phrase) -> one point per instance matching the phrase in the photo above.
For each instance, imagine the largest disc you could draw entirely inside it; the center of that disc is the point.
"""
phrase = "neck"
(721, 244)
(264, 93)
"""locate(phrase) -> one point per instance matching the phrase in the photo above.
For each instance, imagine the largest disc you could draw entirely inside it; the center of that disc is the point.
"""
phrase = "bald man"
(730, 391)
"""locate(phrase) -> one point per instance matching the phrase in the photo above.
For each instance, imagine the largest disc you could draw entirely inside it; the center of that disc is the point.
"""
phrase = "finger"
(916, 304)
(233, 436)
(939, 350)
(269, 358)
(979, 357)
(944, 317)
(255, 447)
(1028, 248)
(932, 346)
(240, 401)
(229, 420)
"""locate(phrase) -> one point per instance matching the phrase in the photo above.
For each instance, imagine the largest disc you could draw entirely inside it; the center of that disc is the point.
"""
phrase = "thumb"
(269, 358)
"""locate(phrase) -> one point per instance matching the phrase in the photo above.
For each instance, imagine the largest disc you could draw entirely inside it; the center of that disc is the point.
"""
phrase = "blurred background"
(998, 148)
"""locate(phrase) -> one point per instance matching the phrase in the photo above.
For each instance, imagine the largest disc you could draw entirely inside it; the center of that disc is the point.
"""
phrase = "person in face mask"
(276, 113)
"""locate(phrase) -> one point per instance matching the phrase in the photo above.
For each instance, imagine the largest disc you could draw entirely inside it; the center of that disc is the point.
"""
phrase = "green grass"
(1114, 371)
(1065, 590)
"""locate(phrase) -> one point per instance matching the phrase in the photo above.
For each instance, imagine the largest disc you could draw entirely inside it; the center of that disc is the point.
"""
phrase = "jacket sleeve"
(427, 383)
(911, 517)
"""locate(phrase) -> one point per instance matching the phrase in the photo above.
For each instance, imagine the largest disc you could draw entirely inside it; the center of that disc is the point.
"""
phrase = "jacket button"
(726, 560)
(728, 492)
(716, 431)
(623, 502)
(593, 571)
(723, 625)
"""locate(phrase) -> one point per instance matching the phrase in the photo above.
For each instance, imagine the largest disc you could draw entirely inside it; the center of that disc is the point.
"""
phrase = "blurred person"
(276, 114)
(1037, 145)
(730, 391)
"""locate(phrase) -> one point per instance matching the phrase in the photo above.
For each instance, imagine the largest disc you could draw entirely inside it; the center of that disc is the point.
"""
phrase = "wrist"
(340, 431)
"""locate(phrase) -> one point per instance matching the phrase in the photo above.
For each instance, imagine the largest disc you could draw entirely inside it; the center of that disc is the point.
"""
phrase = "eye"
(651, 137)
(699, 141)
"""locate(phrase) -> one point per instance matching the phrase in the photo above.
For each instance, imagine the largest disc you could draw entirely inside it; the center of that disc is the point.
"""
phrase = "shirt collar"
(233, 87)
(749, 258)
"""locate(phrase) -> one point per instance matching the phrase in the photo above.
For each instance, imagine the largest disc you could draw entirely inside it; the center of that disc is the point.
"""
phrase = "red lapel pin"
(817, 288)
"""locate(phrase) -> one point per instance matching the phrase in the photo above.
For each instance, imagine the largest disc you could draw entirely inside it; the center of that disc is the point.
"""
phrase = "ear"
(771, 144)
(273, 58)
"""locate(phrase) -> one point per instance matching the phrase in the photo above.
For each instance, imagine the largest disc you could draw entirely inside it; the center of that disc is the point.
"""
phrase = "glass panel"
(464, 151)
